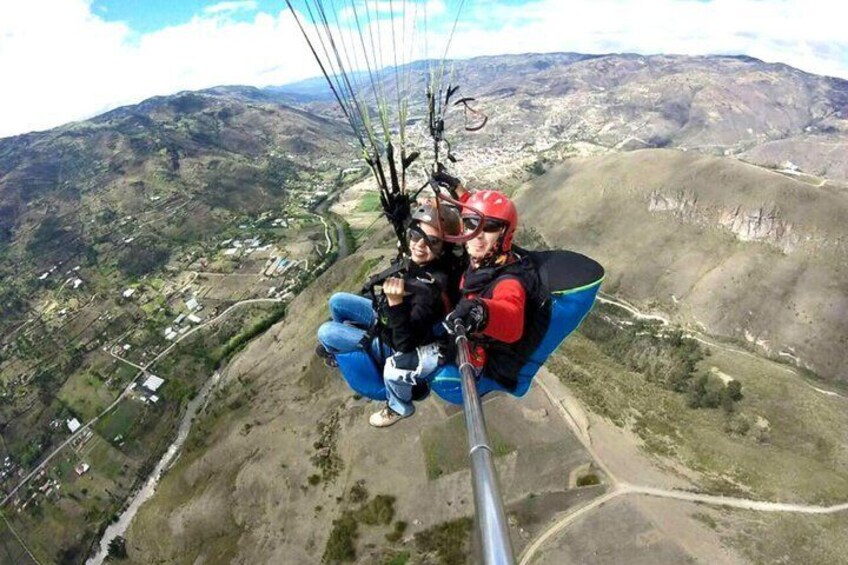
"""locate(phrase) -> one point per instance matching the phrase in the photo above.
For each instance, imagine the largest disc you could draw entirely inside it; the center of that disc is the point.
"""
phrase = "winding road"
(619, 488)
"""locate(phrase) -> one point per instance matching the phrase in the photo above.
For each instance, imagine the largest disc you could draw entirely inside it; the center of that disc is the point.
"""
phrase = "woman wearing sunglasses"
(412, 305)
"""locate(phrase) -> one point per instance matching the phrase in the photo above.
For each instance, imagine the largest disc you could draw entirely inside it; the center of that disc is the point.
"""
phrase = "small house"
(153, 383)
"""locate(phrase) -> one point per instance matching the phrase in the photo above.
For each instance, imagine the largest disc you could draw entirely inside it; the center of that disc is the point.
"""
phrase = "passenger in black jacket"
(416, 304)
(413, 303)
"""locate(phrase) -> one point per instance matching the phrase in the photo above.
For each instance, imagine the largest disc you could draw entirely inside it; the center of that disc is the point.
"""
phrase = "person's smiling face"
(419, 248)
(481, 245)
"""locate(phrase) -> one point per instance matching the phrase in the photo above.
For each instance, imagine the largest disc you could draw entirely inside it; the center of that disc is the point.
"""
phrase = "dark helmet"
(497, 206)
(445, 219)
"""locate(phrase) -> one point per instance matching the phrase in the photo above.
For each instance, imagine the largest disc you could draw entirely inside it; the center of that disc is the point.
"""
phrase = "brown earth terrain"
(283, 459)
(245, 488)
(726, 247)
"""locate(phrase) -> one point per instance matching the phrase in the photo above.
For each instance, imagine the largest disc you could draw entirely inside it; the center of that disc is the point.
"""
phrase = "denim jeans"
(352, 316)
(403, 370)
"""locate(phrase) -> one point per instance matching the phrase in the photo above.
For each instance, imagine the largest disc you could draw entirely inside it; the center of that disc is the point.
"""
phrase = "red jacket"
(506, 316)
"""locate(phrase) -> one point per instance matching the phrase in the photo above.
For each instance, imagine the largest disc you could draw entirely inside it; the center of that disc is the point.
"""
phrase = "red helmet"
(495, 205)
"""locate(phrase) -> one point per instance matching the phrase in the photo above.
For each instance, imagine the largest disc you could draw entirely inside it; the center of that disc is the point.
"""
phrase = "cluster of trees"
(666, 358)
(142, 257)
(710, 392)
(278, 172)
(239, 341)
(55, 240)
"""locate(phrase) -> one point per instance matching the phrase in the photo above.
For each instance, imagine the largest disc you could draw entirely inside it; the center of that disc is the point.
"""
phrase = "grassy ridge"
(739, 251)
(792, 449)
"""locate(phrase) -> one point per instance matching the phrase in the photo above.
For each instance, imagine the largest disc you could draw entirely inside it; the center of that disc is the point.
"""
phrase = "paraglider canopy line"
(351, 40)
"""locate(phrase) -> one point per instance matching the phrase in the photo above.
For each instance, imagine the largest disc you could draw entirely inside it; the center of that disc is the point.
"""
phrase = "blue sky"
(145, 16)
(72, 59)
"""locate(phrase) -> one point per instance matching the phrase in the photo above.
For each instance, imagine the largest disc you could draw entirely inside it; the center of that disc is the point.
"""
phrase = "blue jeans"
(352, 316)
(403, 370)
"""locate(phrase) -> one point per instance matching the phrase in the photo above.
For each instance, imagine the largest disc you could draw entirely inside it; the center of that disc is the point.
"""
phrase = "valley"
(699, 407)
(108, 335)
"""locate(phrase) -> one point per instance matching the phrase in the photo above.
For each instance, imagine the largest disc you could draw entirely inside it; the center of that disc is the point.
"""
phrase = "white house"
(153, 383)
(74, 425)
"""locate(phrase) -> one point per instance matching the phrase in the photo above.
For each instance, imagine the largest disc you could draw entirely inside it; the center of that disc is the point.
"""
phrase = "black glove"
(472, 312)
(443, 178)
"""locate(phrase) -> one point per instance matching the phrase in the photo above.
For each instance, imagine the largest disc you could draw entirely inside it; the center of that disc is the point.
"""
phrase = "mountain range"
(712, 188)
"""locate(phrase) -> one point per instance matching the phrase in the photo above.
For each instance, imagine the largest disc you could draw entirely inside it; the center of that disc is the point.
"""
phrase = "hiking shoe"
(329, 358)
(385, 417)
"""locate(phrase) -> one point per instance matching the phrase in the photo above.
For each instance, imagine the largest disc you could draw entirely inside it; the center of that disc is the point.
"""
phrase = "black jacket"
(505, 360)
(411, 323)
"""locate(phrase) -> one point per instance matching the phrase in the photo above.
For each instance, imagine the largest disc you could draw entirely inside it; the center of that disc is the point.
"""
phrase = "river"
(119, 528)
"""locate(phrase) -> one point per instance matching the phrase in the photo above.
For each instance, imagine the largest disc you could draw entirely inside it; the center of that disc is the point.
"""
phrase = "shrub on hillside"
(358, 493)
(380, 510)
(340, 545)
(118, 548)
(448, 540)
(711, 392)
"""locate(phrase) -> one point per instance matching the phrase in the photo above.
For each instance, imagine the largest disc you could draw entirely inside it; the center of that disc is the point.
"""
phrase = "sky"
(67, 60)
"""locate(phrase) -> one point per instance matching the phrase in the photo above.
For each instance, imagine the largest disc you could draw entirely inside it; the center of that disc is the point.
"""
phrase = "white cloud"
(229, 7)
(800, 33)
(74, 65)
(397, 8)
(60, 62)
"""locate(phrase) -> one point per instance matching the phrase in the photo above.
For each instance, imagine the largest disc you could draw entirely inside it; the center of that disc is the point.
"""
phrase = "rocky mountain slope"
(106, 228)
(765, 113)
(273, 469)
(783, 212)
(733, 249)
(728, 247)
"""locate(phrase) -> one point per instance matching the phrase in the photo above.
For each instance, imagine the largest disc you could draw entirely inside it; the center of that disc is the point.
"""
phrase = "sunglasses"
(416, 234)
(489, 226)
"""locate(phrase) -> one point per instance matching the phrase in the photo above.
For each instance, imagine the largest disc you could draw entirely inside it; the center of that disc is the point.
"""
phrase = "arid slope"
(731, 248)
